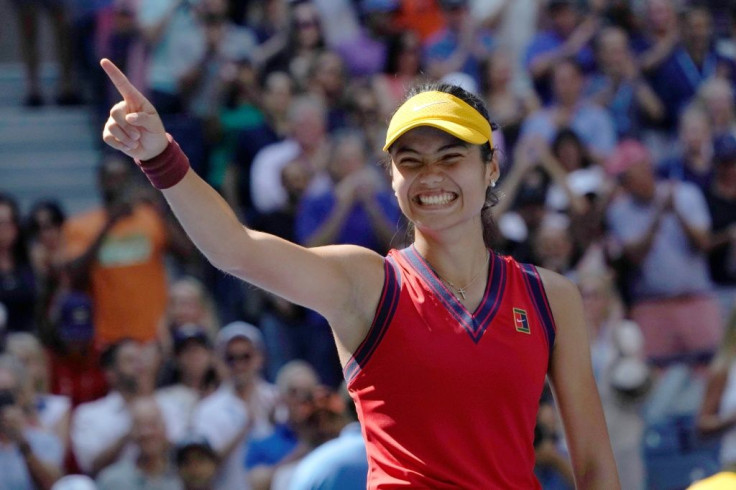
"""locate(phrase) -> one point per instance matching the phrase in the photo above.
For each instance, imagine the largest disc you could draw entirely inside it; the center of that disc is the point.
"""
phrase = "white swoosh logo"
(420, 107)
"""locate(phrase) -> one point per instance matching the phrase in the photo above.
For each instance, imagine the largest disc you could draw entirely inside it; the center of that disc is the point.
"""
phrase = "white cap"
(242, 330)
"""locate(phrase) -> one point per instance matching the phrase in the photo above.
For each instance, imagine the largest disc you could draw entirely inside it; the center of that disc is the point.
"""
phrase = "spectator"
(189, 304)
(403, 68)
(275, 103)
(460, 45)
(31, 457)
(337, 464)
(552, 465)
(52, 411)
(17, 283)
(45, 224)
(568, 37)
(570, 109)
(617, 353)
(660, 35)
(28, 23)
(690, 63)
(660, 226)
(552, 246)
(116, 252)
(192, 376)
(359, 208)
(197, 463)
(100, 429)
(327, 80)
(74, 361)
(241, 406)
(508, 104)
(305, 41)
(152, 467)
(420, 16)
(619, 86)
(308, 141)
(693, 161)
(721, 197)
(364, 116)
(296, 382)
(716, 96)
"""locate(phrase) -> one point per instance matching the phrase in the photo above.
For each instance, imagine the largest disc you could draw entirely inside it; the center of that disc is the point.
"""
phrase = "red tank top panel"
(448, 398)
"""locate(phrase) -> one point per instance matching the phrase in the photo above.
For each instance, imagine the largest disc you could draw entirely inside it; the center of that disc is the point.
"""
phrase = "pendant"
(461, 291)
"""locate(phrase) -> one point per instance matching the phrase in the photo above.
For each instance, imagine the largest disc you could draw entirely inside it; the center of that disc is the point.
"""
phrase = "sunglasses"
(243, 357)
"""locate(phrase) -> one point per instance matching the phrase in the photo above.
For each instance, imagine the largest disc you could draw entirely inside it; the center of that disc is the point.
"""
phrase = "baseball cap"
(442, 111)
(239, 330)
(189, 332)
(627, 154)
(724, 149)
(75, 317)
(194, 441)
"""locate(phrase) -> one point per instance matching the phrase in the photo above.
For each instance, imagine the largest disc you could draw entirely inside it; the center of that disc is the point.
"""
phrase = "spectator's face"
(197, 469)
(129, 367)
(243, 360)
(295, 179)
(567, 83)
(330, 74)
(638, 180)
(499, 69)
(308, 126)
(660, 15)
(410, 54)
(697, 29)
(564, 20)
(113, 180)
(194, 359)
(307, 25)
(149, 431)
(614, 51)
(8, 227)
(277, 94)
(455, 17)
(719, 103)
(186, 304)
(553, 247)
(695, 131)
(49, 233)
(348, 158)
(569, 153)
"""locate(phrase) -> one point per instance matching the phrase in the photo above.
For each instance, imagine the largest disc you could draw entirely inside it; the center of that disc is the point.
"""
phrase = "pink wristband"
(168, 168)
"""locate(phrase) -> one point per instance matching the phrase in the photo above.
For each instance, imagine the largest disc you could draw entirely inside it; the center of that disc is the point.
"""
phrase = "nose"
(431, 175)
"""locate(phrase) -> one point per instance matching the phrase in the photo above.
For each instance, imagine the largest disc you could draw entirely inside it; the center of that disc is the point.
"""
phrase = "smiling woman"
(444, 344)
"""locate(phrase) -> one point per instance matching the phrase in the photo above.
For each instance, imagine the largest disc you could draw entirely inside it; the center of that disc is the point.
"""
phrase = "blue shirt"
(442, 45)
(14, 473)
(271, 449)
(339, 464)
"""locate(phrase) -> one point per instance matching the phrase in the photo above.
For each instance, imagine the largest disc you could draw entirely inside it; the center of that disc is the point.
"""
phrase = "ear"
(492, 170)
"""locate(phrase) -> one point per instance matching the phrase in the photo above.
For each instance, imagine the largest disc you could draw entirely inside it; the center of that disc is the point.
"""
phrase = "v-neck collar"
(475, 323)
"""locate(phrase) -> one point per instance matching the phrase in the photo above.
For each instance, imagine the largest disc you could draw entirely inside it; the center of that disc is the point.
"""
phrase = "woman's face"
(307, 25)
(569, 153)
(49, 234)
(439, 180)
(186, 304)
(8, 228)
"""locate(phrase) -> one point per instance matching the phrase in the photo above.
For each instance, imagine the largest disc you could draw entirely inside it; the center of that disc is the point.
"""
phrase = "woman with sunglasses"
(445, 345)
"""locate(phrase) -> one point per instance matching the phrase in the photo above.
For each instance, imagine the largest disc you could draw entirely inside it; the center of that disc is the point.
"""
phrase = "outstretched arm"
(321, 278)
(571, 377)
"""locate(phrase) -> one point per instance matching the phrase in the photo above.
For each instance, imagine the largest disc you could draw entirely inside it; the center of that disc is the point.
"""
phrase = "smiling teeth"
(436, 199)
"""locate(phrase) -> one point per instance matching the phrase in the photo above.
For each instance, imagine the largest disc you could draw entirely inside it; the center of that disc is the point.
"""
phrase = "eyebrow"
(449, 146)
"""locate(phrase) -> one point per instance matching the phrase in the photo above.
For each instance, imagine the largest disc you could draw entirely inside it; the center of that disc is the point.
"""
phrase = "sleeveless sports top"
(448, 398)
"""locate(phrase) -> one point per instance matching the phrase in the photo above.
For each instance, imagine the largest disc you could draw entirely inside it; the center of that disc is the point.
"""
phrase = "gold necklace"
(461, 291)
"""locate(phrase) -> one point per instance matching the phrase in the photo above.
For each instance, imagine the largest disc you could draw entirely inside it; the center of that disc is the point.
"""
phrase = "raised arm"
(323, 279)
(571, 377)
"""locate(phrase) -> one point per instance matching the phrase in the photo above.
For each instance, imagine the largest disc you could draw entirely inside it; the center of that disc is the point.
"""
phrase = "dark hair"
(394, 46)
(490, 233)
(54, 209)
(567, 134)
(19, 251)
(109, 356)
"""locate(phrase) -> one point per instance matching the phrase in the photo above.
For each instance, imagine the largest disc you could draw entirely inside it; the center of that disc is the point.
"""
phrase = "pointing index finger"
(130, 94)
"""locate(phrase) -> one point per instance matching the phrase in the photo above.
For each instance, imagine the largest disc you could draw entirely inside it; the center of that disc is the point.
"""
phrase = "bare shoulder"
(562, 293)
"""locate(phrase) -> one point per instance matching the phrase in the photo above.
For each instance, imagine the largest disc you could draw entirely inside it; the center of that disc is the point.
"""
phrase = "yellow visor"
(442, 111)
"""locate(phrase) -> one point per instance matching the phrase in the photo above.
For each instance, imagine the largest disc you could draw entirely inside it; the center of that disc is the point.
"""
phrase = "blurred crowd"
(130, 360)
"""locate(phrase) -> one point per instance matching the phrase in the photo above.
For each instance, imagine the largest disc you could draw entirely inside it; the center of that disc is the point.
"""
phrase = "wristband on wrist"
(168, 168)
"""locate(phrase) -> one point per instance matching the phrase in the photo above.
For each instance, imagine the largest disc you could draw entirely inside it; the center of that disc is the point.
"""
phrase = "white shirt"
(96, 426)
(222, 416)
(177, 405)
